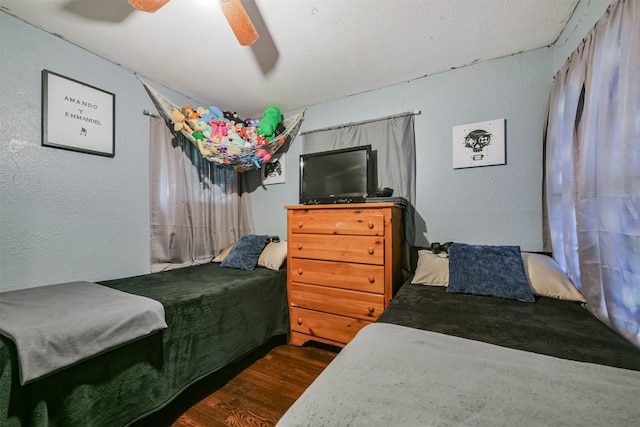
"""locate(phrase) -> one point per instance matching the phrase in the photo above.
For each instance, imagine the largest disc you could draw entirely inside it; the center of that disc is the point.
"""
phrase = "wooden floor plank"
(255, 392)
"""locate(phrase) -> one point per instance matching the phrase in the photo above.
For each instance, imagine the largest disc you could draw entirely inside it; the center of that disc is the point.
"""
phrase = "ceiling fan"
(233, 10)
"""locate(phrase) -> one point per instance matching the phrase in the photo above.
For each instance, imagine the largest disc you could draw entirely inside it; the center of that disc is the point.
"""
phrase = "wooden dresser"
(343, 267)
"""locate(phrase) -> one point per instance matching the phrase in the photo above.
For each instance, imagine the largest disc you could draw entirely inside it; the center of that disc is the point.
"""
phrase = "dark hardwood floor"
(255, 391)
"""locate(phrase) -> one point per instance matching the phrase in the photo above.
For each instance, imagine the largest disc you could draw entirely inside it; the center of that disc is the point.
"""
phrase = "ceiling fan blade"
(239, 21)
(148, 5)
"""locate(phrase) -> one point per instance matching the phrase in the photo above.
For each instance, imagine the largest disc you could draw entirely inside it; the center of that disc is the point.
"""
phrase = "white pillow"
(273, 255)
(432, 269)
(222, 255)
(547, 278)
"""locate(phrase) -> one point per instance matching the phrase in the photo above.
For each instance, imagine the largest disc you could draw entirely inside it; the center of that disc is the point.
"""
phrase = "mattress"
(391, 375)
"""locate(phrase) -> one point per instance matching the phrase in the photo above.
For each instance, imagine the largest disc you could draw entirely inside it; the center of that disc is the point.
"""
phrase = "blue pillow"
(245, 252)
(488, 270)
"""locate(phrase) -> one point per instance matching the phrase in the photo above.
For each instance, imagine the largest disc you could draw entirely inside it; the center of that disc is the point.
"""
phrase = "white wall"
(65, 215)
(488, 205)
(70, 216)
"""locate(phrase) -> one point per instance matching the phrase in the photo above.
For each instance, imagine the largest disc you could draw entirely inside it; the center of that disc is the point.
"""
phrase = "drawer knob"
(370, 225)
(371, 279)
(300, 321)
(299, 246)
(371, 309)
(300, 224)
(300, 272)
(370, 250)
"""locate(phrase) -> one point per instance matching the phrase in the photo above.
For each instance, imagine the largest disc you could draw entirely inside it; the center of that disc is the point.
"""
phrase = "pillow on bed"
(432, 269)
(547, 278)
(488, 270)
(222, 255)
(273, 255)
(245, 252)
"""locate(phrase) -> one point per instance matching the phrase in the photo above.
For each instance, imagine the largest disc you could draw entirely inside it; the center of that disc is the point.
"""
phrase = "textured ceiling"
(309, 51)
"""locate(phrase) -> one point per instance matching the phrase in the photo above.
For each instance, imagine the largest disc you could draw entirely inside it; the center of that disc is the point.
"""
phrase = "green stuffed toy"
(269, 122)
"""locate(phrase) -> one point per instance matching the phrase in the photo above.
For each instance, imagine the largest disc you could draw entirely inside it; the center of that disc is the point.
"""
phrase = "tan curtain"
(197, 207)
(592, 168)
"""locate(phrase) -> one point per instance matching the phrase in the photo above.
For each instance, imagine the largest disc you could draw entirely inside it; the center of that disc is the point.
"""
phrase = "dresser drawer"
(360, 249)
(342, 221)
(342, 263)
(358, 277)
(324, 325)
(362, 305)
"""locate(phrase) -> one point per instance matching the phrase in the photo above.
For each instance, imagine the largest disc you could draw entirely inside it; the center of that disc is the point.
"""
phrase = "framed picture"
(273, 172)
(479, 144)
(77, 116)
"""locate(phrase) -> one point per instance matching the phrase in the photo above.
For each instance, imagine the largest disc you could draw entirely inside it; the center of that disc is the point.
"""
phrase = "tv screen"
(337, 176)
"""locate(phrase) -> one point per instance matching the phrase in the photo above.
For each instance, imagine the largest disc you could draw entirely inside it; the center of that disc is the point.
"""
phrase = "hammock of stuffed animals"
(227, 139)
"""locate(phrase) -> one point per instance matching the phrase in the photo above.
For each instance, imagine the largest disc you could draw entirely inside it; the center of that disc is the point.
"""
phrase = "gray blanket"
(392, 375)
(59, 325)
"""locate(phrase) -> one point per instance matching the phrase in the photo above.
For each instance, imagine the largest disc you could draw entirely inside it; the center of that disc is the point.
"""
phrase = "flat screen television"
(347, 175)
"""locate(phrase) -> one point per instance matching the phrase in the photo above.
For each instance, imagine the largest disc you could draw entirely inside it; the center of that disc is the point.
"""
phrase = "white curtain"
(197, 208)
(592, 169)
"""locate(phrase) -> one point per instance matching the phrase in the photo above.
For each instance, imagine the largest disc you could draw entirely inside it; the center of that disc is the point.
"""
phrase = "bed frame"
(215, 315)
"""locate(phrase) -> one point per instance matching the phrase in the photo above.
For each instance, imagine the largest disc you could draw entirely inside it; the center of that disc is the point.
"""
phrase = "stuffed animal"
(252, 122)
(233, 139)
(237, 127)
(264, 155)
(202, 127)
(189, 112)
(218, 129)
(196, 125)
(180, 121)
(205, 151)
(233, 117)
(250, 133)
(247, 161)
(214, 113)
(206, 131)
(269, 122)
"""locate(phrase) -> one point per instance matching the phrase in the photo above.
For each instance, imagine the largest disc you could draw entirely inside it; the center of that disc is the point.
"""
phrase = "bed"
(214, 314)
(443, 357)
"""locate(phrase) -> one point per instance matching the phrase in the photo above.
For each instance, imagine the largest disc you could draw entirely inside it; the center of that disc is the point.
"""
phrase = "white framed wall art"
(77, 116)
(479, 144)
(273, 171)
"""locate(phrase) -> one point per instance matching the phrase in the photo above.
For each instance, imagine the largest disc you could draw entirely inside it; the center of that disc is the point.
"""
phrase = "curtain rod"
(408, 113)
(149, 113)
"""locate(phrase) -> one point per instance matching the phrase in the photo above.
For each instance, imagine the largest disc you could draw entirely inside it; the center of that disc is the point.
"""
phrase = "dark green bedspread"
(549, 326)
(215, 315)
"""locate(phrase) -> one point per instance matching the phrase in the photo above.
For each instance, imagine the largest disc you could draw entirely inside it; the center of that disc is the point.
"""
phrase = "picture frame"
(479, 144)
(77, 116)
(274, 171)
